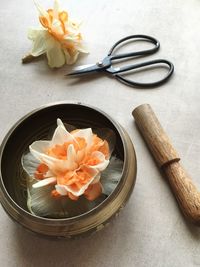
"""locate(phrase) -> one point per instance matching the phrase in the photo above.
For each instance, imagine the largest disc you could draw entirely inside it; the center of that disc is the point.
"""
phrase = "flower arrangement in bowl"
(67, 179)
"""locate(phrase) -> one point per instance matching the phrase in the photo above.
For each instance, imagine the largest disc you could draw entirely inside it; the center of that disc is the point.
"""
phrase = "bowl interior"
(36, 126)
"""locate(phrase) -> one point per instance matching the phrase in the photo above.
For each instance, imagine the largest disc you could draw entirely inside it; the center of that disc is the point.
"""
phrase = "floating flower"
(72, 161)
(58, 37)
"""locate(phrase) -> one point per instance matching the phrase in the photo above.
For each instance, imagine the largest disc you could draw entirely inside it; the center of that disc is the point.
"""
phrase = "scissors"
(106, 64)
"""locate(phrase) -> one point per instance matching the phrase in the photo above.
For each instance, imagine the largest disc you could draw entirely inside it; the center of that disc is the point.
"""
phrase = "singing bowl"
(35, 126)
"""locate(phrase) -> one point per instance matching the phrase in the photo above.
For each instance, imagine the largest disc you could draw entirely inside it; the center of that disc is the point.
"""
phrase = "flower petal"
(108, 135)
(97, 178)
(82, 47)
(72, 197)
(61, 190)
(103, 162)
(57, 27)
(93, 191)
(71, 154)
(70, 59)
(60, 123)
(86, 134)
(44, 182)
(38, 148)
(55, 54)
(39, 43)
(61, 135)
(74, 37)
(41, 10)
(56, 9)
(29, 163)
(93, 172)
(33, 33)
(80, 155)
(48, 174)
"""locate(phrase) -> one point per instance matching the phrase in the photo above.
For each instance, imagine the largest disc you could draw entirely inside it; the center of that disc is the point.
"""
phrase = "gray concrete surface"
(150, 231)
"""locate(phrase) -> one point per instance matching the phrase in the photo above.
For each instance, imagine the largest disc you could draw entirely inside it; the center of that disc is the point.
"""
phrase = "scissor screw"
(100, 64)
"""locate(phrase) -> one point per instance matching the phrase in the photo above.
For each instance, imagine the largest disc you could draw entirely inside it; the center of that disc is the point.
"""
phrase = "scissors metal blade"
(84, 69)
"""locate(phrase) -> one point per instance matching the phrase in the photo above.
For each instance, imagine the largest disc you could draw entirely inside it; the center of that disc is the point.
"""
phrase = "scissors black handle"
(137, 53)
(167, 63)
(115, 71)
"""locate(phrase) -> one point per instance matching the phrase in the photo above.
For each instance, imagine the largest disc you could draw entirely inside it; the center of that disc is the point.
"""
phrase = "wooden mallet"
(168, 160)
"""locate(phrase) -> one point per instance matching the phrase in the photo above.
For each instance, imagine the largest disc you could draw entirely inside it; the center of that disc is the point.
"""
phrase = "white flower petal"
(39, 43)
(55, 54)
(56, 9)
(74, 39)
(41, 10)
(70, 59)
(81, 47)
(71, 154)
(97, 178)
(86, 134)
(40, 147)
(44, 182)
(60, 123)
(33, 33)
(61, 135)
(61, 190)
(29, 163)
(103, 162)
(67, 56)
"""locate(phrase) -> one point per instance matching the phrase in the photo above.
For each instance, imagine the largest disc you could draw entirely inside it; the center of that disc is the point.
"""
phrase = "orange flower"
(72, 161)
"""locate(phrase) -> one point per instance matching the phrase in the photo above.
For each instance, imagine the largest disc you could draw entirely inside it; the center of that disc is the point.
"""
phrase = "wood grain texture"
(153, 133)
(185, 191)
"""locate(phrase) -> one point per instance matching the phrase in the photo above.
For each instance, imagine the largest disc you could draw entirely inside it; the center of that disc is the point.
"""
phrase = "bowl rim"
(97, 208)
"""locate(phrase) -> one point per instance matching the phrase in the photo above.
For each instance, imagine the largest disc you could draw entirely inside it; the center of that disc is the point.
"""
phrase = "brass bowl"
(35, 126)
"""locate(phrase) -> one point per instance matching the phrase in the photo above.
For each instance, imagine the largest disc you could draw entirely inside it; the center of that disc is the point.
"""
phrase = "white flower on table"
(58, 37)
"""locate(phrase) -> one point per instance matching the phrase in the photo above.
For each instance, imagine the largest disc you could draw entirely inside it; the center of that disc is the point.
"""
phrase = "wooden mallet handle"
(168, 160)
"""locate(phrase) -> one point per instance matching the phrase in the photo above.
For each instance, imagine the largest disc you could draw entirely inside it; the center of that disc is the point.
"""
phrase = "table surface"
(150, 231)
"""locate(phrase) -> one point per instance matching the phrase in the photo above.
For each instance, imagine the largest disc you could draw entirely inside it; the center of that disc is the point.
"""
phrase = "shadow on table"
(82, 79)
(194, 230)
(34, 250)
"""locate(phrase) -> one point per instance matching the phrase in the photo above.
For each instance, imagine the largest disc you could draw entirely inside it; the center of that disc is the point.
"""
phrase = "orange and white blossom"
(58, 37)
(73, 161)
